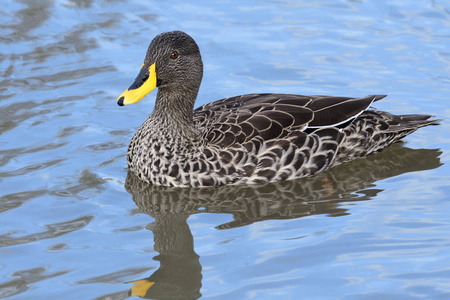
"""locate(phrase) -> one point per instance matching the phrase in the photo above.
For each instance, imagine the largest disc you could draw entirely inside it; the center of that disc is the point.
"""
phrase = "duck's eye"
(174, 55)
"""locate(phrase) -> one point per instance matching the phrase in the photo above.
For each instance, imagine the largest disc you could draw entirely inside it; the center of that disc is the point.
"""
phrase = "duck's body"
(247, 139)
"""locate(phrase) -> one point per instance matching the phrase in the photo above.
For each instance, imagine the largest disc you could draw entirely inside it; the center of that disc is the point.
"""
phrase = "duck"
(246, 139)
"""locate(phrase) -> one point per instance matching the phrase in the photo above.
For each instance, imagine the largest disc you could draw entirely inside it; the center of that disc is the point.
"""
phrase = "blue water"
(73, 225)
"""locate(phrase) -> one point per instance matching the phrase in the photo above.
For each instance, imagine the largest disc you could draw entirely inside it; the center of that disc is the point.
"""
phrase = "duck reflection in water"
(179, 275)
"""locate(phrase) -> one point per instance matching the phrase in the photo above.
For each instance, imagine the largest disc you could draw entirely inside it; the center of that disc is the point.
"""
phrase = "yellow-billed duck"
(247, 139)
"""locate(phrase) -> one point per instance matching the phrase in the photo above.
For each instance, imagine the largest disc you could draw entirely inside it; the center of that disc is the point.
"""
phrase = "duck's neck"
(174, 112)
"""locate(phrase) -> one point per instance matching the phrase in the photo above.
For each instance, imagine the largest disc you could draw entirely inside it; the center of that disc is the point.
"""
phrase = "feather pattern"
(260, 138)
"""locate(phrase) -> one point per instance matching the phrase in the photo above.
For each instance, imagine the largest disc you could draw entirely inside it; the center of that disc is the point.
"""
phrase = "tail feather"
(374, 130)
(420, 120)
(411, 122)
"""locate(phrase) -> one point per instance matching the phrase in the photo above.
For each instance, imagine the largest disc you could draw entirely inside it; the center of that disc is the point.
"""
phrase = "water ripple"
(53, 230)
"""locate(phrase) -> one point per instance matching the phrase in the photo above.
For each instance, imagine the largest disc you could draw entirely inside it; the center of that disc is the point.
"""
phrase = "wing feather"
(272, 116)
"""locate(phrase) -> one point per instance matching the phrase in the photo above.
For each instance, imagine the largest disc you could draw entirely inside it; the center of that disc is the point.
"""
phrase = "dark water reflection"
(179, 275)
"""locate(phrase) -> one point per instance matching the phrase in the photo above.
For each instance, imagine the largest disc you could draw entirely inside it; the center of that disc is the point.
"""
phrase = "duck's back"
(273, 116)
(260, 138)
(290, 136)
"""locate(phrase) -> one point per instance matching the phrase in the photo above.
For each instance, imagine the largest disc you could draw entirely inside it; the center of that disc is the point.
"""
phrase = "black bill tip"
(120, 101)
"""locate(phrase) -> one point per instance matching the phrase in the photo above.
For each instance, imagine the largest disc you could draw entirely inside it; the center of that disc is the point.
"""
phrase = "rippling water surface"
(75, 225)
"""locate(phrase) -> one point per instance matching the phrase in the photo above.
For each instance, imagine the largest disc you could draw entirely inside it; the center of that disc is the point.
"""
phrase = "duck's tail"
(375, 130)
(416, 121)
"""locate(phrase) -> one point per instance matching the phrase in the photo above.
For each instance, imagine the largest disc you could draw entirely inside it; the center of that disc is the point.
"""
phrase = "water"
(75, 225)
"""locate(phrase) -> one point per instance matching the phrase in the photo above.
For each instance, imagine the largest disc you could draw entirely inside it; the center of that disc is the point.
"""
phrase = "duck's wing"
(274, 116)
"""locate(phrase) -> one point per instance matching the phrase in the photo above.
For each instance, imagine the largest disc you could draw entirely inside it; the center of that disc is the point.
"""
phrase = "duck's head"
(172, 63)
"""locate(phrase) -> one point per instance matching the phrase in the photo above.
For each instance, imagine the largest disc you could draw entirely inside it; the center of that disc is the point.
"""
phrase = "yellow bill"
(140, 287)
(144, 83)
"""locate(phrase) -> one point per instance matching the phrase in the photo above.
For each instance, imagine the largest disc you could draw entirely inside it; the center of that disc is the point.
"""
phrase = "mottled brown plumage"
(248, 139)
